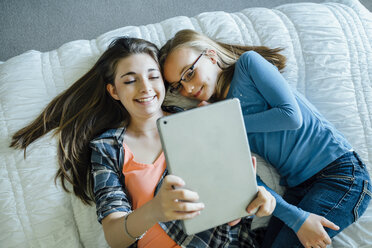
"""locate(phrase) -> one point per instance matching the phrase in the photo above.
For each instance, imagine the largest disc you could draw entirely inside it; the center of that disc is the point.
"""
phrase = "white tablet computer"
(208, 148)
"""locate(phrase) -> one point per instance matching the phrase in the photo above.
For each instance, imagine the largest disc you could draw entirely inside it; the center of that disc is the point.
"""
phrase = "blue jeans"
(340, 192)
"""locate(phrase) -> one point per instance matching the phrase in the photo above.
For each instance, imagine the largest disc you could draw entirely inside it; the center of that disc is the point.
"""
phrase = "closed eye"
(189, 74)
(129, 82)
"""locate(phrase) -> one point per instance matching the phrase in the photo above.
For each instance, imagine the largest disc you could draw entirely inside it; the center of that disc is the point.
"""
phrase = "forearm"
(291, 215)
(273, 120)
(138, 222)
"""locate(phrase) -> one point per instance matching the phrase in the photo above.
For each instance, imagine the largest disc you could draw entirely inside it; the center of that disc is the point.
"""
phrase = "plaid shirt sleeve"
(222, 236)
(106, 160)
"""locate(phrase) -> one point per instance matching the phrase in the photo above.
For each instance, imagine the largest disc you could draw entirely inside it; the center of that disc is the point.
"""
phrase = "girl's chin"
(204, 97)
(201, 97)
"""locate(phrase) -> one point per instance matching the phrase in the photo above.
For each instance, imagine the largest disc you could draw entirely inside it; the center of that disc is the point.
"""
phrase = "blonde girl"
(328, 186)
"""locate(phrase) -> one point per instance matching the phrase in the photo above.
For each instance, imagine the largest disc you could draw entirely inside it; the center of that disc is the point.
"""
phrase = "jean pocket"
(364, 199)
(338, 170)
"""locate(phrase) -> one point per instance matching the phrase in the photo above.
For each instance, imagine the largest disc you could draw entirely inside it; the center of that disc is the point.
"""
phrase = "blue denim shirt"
(111, 196)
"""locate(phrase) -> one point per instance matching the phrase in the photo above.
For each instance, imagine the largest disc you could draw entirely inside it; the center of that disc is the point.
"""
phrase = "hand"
(312, 232)
(264, 202)
(175, 203)
(234, 222)
(203, 103)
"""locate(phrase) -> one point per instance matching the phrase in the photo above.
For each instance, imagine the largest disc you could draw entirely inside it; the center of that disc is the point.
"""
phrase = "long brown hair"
(82, 112)
(227, 54)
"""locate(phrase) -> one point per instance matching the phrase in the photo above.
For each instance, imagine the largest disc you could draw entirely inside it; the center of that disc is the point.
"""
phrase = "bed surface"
(328, 47)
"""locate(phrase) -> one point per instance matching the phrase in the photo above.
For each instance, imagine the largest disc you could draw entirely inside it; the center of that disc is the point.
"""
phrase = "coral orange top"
(141, 180)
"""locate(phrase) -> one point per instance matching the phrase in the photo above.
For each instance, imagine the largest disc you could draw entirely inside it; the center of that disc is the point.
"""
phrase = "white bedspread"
(328, 47)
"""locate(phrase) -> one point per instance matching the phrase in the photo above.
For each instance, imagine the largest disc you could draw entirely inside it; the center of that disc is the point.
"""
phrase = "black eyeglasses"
(186, 76)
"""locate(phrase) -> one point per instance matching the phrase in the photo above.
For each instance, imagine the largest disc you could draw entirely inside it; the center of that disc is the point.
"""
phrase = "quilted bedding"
(328, 47)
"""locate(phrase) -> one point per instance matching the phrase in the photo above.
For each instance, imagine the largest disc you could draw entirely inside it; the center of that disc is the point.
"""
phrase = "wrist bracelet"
(126, 229)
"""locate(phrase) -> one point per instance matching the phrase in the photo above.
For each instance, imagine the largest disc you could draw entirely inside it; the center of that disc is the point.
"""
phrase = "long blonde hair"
(227, 54)
(82, 112)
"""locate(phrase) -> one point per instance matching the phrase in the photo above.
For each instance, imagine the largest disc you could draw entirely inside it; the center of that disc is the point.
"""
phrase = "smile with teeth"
(145, 99)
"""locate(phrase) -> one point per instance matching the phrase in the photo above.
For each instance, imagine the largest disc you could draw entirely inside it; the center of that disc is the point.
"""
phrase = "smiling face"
(202, 83)
(138, 86)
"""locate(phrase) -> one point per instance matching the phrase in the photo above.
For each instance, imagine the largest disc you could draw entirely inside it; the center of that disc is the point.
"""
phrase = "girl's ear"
(212, 55)
(112, 90)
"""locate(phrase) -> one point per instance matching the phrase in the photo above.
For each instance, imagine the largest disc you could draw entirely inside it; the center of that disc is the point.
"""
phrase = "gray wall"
(44, 25)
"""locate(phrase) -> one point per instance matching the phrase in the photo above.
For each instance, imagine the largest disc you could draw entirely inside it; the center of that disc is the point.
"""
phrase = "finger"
(324, 244)
(254, 162)
(258, 201)
(234, 222)
(329, 224)
(185, 195)
(313, 246)
(185, 215)
(188, 206)
(254, 206)
(171, 181)
(203, 103)
(323, 240)
(326, 239)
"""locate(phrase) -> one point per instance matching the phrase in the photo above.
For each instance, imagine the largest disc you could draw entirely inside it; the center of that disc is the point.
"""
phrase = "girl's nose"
(145, 85)
(188, 88)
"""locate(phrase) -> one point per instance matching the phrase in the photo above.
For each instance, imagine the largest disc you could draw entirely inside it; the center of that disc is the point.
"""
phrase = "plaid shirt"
(111, 196)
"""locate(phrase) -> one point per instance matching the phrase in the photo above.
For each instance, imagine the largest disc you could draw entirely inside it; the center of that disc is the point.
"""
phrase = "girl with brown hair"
(109, 150)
